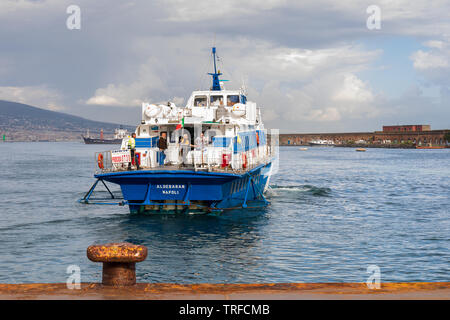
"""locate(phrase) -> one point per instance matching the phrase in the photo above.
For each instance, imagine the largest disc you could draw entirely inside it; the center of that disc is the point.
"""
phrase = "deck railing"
(223, 159)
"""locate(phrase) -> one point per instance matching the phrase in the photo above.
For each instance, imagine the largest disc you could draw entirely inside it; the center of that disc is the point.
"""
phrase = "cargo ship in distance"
(214, 155)
(119, 134)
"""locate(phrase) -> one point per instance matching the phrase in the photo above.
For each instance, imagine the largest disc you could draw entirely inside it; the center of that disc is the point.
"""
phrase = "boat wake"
(276, 190)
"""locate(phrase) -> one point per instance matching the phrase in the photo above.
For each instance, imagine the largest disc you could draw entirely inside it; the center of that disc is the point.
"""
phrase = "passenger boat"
(218, 155)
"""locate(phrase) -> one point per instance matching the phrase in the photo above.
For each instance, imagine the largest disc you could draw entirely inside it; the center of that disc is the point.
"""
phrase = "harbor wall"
(435, 137)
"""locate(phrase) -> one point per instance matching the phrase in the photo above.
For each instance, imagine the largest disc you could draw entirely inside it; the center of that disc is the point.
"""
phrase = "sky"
(312, 65)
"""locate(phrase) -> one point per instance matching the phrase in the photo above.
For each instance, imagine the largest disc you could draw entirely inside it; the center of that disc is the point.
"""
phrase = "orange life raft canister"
(244, 160)
(100, 160)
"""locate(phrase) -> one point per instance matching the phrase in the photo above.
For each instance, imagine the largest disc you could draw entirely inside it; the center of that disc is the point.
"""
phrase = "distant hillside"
(22, 122)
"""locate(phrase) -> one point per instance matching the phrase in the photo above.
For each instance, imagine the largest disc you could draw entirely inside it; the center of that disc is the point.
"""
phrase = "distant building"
(407, 128)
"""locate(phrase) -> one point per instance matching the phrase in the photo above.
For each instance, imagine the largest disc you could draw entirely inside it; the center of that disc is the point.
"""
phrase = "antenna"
(215, 75)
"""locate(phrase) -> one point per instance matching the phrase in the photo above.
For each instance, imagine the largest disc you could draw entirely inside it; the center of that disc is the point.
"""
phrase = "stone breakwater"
(370, 139)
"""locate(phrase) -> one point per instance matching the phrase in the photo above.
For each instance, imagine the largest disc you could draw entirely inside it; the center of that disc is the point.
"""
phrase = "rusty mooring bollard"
(119, 261)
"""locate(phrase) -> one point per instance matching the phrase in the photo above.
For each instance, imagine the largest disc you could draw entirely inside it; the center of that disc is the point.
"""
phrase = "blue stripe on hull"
(151, 189)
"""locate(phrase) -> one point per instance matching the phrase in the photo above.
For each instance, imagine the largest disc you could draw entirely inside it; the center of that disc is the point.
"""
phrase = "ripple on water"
(333, 212)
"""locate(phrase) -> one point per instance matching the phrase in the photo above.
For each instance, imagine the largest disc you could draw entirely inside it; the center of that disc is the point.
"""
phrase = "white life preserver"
(238, 109)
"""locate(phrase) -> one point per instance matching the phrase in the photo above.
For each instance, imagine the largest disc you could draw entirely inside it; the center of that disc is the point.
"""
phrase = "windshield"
(200, 101)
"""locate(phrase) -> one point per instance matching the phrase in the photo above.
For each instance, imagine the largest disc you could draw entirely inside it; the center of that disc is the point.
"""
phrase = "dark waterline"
(333, 213)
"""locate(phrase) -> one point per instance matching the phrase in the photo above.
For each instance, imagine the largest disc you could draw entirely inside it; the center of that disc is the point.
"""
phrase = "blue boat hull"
(167, 191)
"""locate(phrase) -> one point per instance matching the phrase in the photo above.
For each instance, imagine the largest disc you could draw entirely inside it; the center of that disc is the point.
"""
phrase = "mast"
(215, 75)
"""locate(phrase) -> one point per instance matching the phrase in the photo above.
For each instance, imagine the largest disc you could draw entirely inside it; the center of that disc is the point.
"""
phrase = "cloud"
(433, 63)
(181, 10)
(434, 44)
(103, 100)
(308, 64)
(146, 84)
(290, 84)
(353, 90)
(328, 98)
(5, 66)
(316, 86)
(429, 60)
(40, 96)
(14, 8)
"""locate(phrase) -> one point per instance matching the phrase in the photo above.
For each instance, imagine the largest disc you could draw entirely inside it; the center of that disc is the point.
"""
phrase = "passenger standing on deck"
(162, 145)
(201, 142)
(132, 147)
(185, 145)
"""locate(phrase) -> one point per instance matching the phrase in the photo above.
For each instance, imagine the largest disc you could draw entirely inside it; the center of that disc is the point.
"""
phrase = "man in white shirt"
(201, 142)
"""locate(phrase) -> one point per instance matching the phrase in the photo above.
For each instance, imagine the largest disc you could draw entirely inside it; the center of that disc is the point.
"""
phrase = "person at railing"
(162, 145)
(185, 147)
(201, 142)
(132, 147)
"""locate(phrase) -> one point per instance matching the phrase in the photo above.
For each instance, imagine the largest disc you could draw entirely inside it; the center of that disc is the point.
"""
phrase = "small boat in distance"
(322, 143)
(119, 134)
(430, 146)
(303, 149)
(360, 149)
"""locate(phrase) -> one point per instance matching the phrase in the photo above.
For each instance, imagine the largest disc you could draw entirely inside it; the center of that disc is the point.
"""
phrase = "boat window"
(210, 134)
(243, 99)
(200, 101)
(232, 100)
(216, 100)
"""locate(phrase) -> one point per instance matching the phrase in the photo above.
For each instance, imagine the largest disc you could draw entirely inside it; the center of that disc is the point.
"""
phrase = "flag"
(180, 125)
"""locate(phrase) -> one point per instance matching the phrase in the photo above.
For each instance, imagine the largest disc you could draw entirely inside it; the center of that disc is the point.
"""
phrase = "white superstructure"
(227, 120)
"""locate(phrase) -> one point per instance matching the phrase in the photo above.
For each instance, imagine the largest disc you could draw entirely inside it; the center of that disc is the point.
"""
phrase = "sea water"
(333, 213)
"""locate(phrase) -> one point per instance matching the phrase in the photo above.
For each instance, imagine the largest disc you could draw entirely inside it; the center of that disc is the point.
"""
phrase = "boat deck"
(171, 167)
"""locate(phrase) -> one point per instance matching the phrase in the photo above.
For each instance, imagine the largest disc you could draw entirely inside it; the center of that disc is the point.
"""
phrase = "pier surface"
(283, 291)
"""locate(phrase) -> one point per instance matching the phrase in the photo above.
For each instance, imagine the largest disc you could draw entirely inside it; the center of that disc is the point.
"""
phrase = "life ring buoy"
(244, 160)
(100, 161)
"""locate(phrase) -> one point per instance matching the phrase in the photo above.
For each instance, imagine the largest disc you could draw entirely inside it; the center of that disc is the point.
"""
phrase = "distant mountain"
(22, 122)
